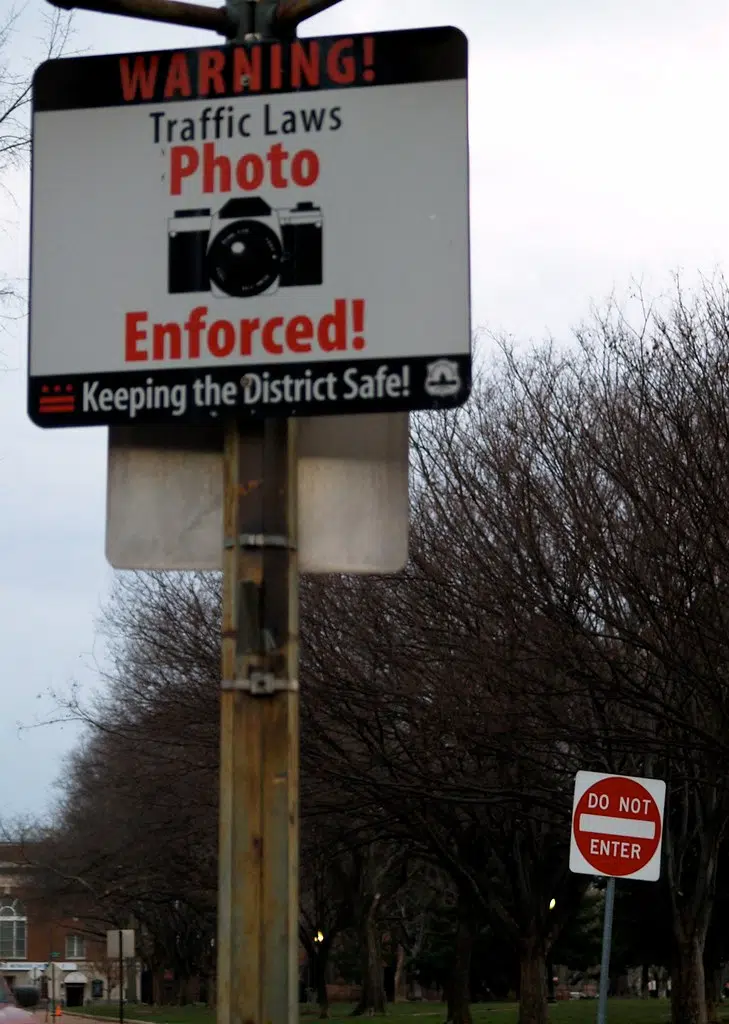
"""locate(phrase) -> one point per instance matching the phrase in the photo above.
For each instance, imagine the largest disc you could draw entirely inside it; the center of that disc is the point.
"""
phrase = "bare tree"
(16, 78)
(137, 825)
(15, 89)
(412, 707)
(565, 606)
(621, 481)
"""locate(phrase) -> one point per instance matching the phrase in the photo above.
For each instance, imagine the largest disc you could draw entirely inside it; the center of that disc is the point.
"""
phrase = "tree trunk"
(533, 982)
(319, 965)
(644, 981)
(692, 893)
(373, 981)
(401, 981)
(713, 993)
(183, 991)
(459, 994)
(688, 988)
(130, 979)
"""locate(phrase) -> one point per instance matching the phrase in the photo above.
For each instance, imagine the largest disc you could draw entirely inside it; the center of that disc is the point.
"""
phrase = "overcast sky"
(600, 153)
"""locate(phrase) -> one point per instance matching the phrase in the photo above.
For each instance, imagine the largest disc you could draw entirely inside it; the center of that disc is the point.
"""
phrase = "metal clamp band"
(255, 541)
(261, 684)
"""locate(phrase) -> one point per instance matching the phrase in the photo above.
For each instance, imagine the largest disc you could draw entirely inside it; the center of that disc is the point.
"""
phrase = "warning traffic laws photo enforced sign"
(617, 826)
(254, 230)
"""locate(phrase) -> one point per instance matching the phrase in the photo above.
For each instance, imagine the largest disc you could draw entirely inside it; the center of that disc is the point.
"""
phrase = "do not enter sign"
(617, 825)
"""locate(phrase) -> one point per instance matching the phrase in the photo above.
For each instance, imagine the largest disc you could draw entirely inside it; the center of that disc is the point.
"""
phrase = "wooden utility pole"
(258, 903)
(258, 850)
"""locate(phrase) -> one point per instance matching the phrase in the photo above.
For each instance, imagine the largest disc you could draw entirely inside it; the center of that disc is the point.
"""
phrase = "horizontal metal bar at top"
(289, 13)
(173, 12)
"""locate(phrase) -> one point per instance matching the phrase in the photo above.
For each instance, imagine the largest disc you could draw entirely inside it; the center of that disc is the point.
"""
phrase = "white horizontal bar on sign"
(634, 828)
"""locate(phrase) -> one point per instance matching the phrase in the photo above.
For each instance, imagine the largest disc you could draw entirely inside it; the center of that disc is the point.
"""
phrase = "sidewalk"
(68, 1016)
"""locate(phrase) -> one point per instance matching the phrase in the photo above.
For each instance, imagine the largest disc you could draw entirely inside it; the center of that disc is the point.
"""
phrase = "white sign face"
(268, 230)
(617, 826)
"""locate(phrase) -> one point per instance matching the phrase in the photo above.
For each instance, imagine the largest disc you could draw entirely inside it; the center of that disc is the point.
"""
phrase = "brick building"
(49, 947)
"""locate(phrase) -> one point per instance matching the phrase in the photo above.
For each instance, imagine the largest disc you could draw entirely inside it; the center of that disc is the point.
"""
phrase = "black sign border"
(60, 388)
(413, 55)
(401, 57)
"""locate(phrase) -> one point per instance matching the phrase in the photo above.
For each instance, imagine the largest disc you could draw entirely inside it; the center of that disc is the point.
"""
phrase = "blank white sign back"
(165, 496)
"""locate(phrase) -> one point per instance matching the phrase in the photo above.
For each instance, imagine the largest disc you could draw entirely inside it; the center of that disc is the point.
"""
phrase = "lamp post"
(550, 967)
(318, 938)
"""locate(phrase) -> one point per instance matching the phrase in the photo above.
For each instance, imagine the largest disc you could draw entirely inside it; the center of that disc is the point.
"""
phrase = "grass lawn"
(620, 1011)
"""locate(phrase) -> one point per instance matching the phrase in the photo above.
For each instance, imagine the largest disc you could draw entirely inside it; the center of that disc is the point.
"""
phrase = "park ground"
(620, 1011)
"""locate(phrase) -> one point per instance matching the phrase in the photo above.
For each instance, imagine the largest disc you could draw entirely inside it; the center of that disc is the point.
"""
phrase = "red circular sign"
(617, 826)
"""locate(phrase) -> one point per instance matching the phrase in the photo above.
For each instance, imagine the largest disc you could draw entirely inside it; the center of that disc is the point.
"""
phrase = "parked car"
(10, 1012)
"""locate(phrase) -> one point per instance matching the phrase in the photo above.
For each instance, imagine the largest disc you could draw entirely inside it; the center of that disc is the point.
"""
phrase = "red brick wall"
(46, 937)
(47, 925)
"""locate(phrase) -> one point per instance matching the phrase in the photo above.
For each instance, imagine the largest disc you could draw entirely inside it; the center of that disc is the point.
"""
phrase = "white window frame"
(75, 947)
(12, 912)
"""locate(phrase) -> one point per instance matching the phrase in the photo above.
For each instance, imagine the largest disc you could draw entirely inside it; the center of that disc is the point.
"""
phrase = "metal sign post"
(121, 976)
(51, 986)
(607, 938)
(120, 945)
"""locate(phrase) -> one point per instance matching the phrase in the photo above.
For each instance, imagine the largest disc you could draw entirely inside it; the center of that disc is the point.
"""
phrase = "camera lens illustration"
(245, 259)
(246, 248)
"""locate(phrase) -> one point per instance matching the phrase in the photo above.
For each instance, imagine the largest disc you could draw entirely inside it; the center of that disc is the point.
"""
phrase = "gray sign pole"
(607, 938)
(121, 977)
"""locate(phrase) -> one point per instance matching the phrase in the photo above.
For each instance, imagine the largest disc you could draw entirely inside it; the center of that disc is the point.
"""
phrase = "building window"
(75, 947)
(13, 929)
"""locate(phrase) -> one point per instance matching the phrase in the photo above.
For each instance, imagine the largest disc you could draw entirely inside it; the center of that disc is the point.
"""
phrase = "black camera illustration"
(247, 248)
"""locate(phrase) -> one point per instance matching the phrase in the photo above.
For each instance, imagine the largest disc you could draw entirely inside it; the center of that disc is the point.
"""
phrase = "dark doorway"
(389, 982)
(75, 995)
(147, 987)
